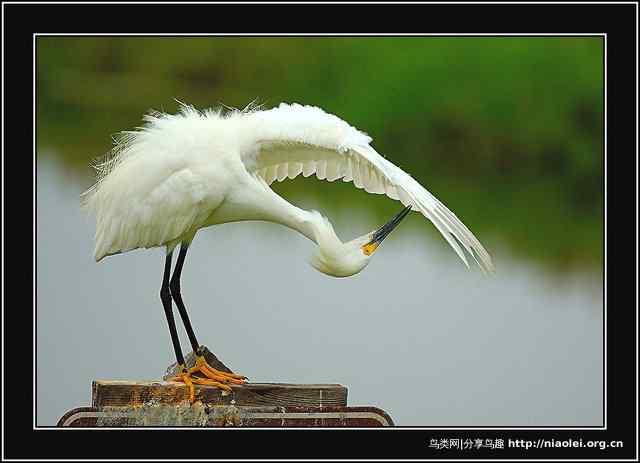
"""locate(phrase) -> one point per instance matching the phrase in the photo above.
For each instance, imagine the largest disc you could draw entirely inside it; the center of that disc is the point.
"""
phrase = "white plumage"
(179, 173)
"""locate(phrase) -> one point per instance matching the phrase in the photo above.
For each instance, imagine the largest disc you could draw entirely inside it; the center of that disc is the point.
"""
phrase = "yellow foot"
(213, 377)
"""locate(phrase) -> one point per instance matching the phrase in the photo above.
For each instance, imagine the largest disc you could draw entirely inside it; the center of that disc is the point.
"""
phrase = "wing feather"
(295, 168)
(294, 139)
(282, 171)
(309, 168)
(362, 165)
(321, 169)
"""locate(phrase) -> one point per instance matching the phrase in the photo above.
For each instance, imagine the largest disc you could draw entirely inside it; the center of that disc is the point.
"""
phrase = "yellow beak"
(384, 231)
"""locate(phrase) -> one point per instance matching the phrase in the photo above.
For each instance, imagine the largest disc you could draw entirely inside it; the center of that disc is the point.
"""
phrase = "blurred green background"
(507, 131)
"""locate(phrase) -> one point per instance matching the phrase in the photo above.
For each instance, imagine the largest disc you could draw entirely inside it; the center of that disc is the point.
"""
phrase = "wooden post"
(162, 403)
(138, 393)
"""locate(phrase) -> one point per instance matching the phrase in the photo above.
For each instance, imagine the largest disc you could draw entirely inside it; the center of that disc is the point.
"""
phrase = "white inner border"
(330, 35)
(342, 34)
(354, 35)
(604, 35)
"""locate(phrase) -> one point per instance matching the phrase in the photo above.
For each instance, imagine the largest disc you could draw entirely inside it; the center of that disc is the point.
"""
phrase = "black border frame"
(619, 22)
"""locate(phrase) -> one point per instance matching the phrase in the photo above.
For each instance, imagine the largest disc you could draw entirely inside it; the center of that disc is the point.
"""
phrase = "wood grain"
(199, 415)
(137, 393)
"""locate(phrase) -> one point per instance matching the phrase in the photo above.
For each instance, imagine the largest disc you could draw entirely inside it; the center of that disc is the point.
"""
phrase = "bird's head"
(338, 259)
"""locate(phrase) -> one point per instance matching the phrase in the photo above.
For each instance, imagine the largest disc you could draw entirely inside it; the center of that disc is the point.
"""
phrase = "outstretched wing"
(305, 140)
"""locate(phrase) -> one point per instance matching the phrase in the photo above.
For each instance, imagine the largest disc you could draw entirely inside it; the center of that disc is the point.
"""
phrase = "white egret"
(180, 173)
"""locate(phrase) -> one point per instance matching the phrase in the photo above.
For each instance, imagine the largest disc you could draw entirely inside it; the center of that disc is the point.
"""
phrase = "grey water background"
(416, 333)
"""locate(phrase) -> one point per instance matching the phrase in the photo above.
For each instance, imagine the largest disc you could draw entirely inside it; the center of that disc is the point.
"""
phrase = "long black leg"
(165, 296)
(175, 293)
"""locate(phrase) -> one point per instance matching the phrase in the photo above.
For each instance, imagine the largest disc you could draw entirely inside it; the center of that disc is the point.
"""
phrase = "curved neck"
(305, 222)
(265, 204)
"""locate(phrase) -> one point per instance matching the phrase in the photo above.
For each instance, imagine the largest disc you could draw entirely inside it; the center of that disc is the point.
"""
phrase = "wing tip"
(484, 261)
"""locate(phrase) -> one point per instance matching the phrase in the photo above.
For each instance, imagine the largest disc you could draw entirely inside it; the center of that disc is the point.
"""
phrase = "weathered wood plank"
(136, 393)
(202, 415)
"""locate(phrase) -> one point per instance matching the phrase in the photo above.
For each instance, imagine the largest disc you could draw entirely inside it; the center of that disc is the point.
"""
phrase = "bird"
(178, 173)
